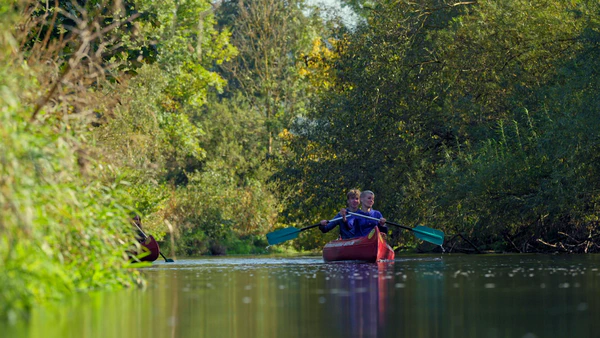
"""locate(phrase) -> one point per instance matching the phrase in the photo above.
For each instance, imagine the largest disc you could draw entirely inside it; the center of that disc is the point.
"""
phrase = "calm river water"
(415, 296)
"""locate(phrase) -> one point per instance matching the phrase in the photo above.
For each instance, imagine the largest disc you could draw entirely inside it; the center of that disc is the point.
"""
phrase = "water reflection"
(416, 296)
(359, 293)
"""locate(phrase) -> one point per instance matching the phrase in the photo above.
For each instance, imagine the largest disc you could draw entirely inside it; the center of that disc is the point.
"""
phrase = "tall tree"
(423, 89)
(270, 35)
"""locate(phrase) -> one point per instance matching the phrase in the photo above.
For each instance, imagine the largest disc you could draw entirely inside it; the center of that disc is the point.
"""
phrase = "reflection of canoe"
(371, 248)
(150, 250)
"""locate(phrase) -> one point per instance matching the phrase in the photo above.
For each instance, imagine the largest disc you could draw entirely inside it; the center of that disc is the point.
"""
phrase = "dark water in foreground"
(416, 296)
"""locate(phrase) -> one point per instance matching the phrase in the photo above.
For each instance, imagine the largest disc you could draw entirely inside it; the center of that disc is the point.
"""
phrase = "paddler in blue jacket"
(363, 226)
(346, 224)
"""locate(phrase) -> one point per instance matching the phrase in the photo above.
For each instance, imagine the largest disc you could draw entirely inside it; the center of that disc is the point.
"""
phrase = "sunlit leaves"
(60, 231)
(432, 116)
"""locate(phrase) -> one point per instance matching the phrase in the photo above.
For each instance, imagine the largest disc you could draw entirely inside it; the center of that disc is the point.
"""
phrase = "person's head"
(353, 198)
(367, 198)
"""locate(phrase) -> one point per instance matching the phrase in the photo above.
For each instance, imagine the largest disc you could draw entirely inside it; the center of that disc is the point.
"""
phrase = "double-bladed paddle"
(422, 232)
(287, 234)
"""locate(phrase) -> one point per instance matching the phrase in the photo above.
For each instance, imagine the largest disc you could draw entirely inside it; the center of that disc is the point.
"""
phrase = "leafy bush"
(60, 230)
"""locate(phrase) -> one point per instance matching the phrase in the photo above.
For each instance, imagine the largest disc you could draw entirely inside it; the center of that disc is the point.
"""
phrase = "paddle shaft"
(140, 229)
(387, 222)
(168, 260)
(421, 232)
(287, 234)
(316, 225)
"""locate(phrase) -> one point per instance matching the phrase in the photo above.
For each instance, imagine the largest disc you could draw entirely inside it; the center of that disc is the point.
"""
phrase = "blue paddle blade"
(282, 235)
(428, 235)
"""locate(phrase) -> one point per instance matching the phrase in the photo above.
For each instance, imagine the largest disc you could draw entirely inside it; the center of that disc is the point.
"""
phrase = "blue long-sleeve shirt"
(362, 226)
(346, 228)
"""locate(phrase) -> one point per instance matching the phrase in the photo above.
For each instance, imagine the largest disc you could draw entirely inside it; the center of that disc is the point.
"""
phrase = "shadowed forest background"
(218, 122)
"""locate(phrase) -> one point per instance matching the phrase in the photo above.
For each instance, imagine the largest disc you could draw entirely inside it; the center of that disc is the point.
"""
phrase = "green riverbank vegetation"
(220, 121)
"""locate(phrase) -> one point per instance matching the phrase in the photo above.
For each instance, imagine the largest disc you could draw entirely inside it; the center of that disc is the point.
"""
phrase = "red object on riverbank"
(150, 249)
(370, 248)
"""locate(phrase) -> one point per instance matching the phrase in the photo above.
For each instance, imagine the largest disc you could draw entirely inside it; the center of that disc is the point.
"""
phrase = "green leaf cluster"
(473, 117)
(60, 231)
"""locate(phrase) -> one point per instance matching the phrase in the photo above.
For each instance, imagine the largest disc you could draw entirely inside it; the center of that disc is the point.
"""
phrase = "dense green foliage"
(104, 113)
(61, 229)
(219, 121)
(477, 118)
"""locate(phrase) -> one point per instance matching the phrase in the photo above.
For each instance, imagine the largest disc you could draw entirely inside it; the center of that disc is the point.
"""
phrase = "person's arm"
(327, 226)
(343, 214)
(383, 228)
(324, 226)
(381, 224)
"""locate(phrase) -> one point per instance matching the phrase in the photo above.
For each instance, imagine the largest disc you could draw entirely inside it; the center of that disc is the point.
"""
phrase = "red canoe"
(150, 249)
(370, 248)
